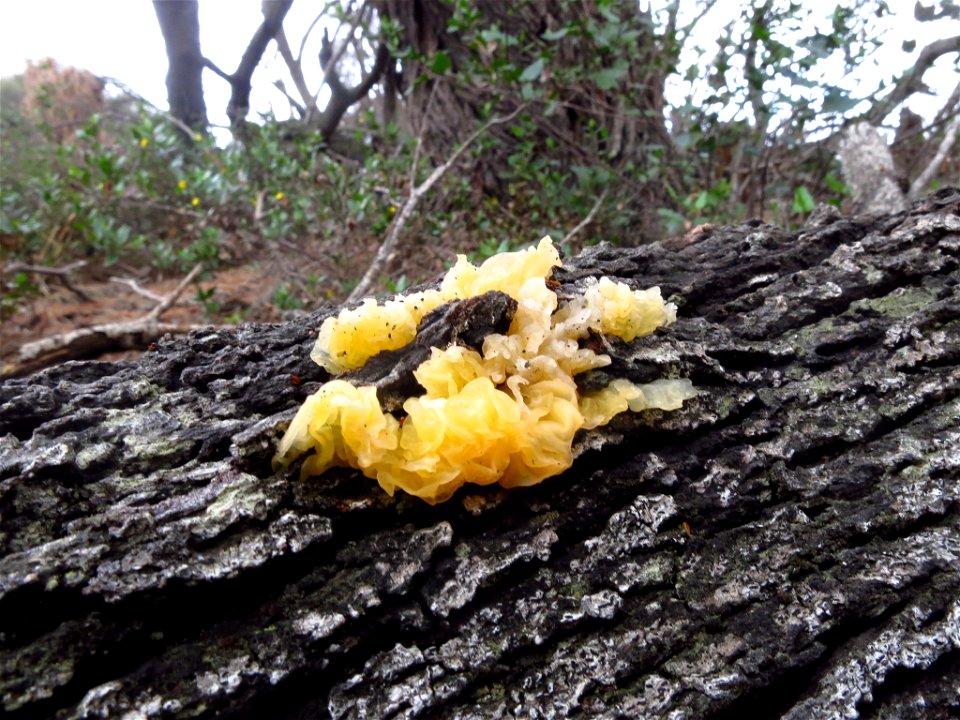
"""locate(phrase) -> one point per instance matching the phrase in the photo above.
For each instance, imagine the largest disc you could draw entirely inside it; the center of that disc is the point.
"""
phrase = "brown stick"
(387, 250)
(587, 220)
(135, 286)
(98, 339)
(949, 136)
(63, 273)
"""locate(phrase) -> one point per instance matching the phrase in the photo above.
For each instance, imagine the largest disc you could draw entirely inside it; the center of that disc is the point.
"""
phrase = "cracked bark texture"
(786, 545)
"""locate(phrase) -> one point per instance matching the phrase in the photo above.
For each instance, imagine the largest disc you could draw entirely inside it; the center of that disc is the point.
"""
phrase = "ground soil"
(244, 290)
(239, 293)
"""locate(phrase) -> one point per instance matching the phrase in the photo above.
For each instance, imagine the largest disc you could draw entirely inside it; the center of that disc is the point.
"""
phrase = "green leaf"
(838, 101)
(556, 34)
(441, 62)
(609, 78)
(836, 184)
(760, 31)
(803, 201)
(532, 71)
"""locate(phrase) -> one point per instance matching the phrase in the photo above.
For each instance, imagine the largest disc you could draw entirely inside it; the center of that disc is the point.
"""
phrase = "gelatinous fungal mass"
(505, 412)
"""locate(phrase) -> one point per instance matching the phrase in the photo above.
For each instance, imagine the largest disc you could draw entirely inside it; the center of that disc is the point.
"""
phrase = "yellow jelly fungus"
(507, 414)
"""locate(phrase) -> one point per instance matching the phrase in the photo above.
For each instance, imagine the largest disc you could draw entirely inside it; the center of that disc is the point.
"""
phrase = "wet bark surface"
(786, 545)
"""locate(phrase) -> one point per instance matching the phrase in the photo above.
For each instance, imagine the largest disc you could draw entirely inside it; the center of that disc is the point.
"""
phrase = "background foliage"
(103, 177)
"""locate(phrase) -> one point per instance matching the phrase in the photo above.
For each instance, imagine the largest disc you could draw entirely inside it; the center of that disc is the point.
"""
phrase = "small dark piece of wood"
(462, 322)
(785, 545)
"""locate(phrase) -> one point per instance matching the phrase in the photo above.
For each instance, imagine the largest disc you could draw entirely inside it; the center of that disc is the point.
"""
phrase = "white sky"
(121, 39)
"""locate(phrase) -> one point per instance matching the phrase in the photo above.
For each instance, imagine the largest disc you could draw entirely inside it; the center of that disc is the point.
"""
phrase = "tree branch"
(949, 108)
(135, 286)
(296, 72)
(98, 339)
(170, 299)
(63, 273)
(342, 97)
(301, 110)
(587, 220)
(387, 250)
(306, 35)
(127, 90)
(239, 105)
(949, 137)
(912, 81)
(331, 63)
(211, 65)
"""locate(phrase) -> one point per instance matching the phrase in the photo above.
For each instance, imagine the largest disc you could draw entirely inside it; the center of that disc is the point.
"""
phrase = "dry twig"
(949, 137)
(587, 220)
(135, 286)
(93, 341)
(387, 250)
(61, 273)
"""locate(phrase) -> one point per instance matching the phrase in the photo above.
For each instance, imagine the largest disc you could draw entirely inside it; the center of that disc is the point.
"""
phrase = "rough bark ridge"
(787, 544)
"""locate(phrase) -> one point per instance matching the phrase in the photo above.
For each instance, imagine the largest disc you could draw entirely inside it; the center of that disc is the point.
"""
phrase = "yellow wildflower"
(195, 201)
(182, 185)
(144, 142)
(279, 195)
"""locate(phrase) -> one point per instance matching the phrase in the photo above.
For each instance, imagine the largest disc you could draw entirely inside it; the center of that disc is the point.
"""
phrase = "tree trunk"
(274, 11)
(180, 25)
(785, 545)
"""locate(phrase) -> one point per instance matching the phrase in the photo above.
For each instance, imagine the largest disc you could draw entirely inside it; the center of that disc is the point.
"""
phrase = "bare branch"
(170, 299)
(146, 202)
(17, 267)
(273, 14)
(61, 273)
(949, 107)
(135, 286)
(387, 250)
(949, 137)
(419, 146)
(306, 35)
(301, 110)
(211, 65)
(107, 337)
(296, 71)
(328, 68)
(587, 220)
(342, 97)
(912, 81)
(129, 92)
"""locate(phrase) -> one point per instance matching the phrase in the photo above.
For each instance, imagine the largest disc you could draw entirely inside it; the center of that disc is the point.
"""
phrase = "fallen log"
(785, 545)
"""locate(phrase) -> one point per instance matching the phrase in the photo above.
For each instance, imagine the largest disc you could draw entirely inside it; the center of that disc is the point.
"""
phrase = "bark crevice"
(790, 537)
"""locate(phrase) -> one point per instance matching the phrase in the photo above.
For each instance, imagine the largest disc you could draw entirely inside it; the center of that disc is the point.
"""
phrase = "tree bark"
(180, 25)
(785, 545)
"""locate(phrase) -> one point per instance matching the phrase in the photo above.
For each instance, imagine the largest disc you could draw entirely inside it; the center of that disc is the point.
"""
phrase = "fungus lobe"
(502, 411)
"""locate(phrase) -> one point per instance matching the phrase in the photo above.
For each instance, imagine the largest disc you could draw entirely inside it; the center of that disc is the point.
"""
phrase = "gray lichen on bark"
(788, 541)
